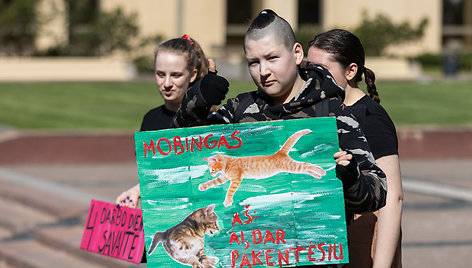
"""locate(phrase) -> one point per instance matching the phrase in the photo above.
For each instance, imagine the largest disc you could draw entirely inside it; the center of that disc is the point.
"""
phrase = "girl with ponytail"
(178, 64)
(342, 53)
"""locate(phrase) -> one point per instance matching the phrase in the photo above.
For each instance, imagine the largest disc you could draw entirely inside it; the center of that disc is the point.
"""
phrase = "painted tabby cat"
(185, 241)
(257, 167)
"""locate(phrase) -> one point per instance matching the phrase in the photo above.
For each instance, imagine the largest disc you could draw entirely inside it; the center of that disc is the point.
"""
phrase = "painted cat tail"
(155, 241)
(288, 145)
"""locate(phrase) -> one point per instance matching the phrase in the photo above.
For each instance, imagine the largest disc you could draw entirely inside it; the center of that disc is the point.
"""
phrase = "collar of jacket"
(319, 86)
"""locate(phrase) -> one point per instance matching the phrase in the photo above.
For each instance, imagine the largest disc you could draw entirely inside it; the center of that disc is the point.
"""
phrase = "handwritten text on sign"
(114, 232)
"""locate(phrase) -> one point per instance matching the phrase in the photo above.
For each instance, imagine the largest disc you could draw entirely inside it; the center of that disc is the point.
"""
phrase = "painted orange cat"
(257, 167)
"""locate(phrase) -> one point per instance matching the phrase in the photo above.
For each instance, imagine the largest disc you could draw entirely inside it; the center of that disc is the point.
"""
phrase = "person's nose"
(264, 69)
(168, 81)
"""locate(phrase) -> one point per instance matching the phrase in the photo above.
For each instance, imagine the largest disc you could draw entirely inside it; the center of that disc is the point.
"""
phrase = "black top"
(378, 127)
(157, 118)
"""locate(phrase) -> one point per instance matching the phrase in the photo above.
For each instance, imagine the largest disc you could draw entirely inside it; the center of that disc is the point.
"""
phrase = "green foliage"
(93, 32)
(18, 24)
(465, 61)
(305, 34)
(378, 33)
(430, 61)
(110, 31)
(144, 64)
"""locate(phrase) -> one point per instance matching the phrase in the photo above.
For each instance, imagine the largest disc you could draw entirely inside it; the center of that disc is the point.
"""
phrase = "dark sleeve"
(195, 111)
(380, 133)
(367, 192)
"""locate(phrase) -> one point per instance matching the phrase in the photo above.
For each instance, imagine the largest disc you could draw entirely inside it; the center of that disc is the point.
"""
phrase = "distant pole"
(180, 17)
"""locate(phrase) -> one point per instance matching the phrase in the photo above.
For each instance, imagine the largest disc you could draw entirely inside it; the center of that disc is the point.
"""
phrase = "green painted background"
(309, 210)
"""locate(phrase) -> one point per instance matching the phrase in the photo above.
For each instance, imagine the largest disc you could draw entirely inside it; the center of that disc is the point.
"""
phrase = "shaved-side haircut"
(267, 23)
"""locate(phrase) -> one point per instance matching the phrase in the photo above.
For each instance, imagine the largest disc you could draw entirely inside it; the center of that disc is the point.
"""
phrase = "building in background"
(220, 25)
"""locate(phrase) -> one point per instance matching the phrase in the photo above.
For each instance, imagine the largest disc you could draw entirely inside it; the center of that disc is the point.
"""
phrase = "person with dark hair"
(273, 58)
(178, 63)
(342, 53)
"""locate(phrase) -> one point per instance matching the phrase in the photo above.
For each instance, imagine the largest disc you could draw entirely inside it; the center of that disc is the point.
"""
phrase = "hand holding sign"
(346, 168)
(129, 198)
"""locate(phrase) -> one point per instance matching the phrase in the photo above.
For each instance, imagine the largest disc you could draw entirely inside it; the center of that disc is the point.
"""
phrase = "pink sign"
(114, 232)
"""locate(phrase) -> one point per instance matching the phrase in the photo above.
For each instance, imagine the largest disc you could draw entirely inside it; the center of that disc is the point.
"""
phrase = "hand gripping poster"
(242, 195)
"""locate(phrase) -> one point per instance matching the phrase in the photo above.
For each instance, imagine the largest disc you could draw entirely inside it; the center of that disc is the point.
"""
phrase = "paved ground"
(47, 182)
(437, 213)
(437, 204)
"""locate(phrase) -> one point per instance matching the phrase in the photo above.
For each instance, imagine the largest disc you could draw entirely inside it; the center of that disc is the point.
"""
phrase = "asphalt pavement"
(43, 204)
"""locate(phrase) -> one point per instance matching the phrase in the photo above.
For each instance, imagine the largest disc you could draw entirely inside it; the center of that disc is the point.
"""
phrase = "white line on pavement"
(436, 189)
(42, 184)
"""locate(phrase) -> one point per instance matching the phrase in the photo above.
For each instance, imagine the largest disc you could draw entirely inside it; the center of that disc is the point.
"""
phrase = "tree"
(93, 32)
(18, 24)
(378, 33)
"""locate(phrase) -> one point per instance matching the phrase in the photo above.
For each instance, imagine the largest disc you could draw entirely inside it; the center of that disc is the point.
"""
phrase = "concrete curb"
(116, 147)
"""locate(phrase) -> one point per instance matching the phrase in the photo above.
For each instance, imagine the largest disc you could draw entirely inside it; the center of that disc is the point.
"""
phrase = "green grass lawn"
(121, 105)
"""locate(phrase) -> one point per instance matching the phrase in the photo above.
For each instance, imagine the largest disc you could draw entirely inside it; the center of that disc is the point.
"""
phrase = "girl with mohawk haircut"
(275, 64)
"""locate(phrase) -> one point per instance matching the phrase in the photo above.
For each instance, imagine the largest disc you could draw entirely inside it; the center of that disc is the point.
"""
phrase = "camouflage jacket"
(320, 97)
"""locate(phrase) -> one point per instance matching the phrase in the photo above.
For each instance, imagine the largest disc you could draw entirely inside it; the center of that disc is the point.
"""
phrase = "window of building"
(238, 15)
(453, 13)
(309, 12)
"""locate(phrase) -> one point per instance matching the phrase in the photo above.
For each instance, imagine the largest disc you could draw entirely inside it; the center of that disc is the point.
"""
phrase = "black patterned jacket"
(320, 97)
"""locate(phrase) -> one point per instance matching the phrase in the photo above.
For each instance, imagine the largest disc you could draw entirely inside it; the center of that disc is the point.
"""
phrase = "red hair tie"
(185, 36)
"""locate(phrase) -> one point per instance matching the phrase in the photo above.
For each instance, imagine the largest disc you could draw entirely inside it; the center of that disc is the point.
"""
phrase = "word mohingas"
(179, 145)
(270, 257)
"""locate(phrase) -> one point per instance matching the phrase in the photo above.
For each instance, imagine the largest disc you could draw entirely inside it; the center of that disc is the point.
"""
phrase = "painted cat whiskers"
(257, 167)
(185, 241)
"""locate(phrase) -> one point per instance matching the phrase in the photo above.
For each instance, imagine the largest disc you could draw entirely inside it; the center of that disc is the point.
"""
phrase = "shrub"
(144, 64)
(305, 34)
(430, 61)
(465, 61)
(18, 24)
(378, 33)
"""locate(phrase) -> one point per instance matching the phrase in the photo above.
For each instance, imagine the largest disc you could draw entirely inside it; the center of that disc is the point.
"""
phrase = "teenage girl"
(179, 62)
(341, 52)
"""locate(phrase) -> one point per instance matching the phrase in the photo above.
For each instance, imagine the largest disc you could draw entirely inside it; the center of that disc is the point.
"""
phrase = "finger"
(339, 154)
(345, 156)
(212, 65)
(343, 162)
(120, 198)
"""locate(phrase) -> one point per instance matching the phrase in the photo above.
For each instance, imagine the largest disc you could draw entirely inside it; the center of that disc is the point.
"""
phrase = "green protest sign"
(242, 195)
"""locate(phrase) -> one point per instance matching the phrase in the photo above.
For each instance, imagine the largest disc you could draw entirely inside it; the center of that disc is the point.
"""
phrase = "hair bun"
(267, 12)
